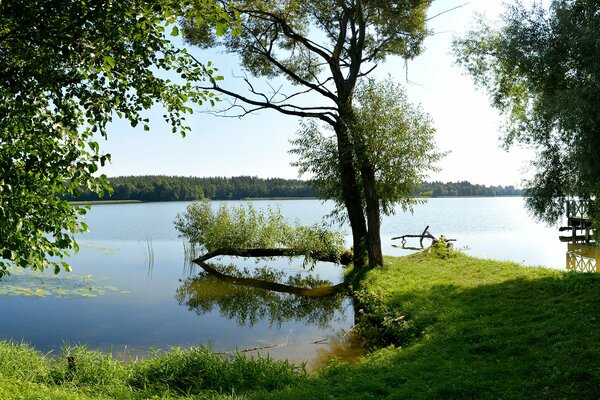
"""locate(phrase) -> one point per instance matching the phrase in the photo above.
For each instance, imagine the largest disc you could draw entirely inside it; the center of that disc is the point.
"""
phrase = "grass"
(452, 327)
(81, 373)
(466, 328)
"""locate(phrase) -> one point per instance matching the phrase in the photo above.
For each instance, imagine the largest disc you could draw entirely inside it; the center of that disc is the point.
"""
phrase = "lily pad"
(66, 285)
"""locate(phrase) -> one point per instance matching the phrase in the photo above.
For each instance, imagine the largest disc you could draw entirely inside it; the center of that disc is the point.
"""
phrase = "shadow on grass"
(519, 339)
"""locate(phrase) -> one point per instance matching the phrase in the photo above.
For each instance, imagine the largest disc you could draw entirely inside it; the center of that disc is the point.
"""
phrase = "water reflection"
(582, 257)
(248, 305)
(347, 347)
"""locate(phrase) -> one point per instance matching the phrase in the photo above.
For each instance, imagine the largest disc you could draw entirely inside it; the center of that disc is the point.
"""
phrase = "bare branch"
(360, 75)
(267, 53)
(327, 117)
(446, 11)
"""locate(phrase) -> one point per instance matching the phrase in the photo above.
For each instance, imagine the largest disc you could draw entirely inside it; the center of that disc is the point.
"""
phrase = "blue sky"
(258, 144)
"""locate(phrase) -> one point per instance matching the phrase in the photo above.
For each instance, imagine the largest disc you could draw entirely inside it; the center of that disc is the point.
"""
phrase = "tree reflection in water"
(245, 296)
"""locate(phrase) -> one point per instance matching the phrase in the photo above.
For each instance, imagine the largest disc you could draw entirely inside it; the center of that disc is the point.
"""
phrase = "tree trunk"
(369, 190)
(351, 193)
(372, 202)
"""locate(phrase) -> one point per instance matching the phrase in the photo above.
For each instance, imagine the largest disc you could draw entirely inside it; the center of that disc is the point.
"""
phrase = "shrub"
(245, 227)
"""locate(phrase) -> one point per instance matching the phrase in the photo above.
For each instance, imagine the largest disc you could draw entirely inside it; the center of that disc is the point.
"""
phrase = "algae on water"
(66, 285)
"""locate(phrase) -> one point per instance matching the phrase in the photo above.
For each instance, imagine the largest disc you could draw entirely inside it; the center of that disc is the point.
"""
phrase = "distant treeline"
(174, 188)
(467, 189)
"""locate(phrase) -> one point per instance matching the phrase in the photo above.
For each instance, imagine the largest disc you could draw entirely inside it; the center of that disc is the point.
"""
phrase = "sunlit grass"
(467, 328)
(81, 373)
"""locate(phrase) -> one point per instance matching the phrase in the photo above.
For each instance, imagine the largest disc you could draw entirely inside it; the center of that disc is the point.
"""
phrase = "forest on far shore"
(179, 188)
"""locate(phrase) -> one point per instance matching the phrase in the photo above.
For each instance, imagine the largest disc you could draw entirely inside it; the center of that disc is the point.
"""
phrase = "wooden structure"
(578, 223)
(583, 257)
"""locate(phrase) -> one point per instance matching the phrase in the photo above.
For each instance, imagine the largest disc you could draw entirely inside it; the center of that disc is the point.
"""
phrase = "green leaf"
(221, 28)
(109, 61)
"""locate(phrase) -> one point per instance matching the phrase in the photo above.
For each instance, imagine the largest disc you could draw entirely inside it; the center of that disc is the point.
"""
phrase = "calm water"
(153, 300)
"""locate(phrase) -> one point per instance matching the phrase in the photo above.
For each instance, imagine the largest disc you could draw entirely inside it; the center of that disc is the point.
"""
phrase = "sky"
(257, 145)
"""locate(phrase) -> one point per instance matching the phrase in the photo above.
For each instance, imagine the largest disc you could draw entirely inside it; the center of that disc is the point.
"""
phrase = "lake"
(132, 290)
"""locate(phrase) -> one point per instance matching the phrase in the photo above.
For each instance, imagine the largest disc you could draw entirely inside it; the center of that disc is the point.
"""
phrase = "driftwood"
(266, 347)
(425, 235)
(276, 287)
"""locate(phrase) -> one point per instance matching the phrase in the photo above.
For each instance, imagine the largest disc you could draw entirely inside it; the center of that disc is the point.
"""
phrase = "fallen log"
(345, 258)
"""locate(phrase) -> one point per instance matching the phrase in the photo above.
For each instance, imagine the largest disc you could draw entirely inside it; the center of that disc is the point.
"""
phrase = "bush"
(239, 228)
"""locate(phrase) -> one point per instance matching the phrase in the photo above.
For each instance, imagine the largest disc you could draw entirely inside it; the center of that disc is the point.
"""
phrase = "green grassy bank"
(454, 327)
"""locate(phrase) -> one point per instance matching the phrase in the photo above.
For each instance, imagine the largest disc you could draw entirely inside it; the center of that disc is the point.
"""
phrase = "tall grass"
(149, 252)
(81, 373)
(198, 370)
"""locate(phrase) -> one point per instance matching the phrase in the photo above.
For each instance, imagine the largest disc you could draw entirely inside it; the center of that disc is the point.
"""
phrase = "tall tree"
(67, 68)
(323, 48)
(396, 140)
(541, 68)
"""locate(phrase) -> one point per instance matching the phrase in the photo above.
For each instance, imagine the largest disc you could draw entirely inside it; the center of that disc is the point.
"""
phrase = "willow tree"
(323, 48)
(541, 69)
(397, 140)
(67, 68)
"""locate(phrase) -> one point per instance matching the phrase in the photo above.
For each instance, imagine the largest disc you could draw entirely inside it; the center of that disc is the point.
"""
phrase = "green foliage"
(465, 189)
(183, 188)
(81, 373)
(21, 362)
(390, 28)
(322, 48)
(79, 366)
(180, 188)
(467, 327)
(541, 70)
(443, 249)
(68, 69)
(396, 139)
(238, 228)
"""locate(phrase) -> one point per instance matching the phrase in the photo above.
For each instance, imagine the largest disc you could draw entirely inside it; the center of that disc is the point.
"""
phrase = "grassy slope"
(469, 328)
(473, 328)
